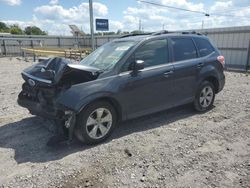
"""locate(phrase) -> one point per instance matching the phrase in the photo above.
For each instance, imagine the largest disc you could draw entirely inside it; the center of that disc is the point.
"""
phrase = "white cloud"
(73, 14)
(55, 18)
(54, 2)
(221, 6)
(154, 17)
(115, 25)
(12, 2)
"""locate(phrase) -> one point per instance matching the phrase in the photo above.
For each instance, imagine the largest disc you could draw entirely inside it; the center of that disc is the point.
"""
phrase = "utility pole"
(91, 24)
(139, 24)
(163, 26)
(202, 24)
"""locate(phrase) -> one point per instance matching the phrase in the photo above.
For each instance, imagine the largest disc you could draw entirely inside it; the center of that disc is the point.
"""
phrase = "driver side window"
(152, 53)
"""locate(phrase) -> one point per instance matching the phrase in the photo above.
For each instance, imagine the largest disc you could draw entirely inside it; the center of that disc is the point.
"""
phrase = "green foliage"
(33, 30)
(119, 32)
(4, 28)
(16, 30)
(136, 32)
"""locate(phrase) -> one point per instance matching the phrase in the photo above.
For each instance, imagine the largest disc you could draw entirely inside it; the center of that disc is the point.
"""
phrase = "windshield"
(106, 56)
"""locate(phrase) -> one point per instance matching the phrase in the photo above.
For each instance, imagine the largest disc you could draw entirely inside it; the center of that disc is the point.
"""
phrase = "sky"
(54, 16)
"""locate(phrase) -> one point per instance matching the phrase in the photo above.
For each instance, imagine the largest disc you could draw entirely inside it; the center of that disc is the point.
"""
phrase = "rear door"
(187, 65)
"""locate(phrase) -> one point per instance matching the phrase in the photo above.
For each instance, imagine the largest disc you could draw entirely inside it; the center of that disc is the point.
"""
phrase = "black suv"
(129, 77)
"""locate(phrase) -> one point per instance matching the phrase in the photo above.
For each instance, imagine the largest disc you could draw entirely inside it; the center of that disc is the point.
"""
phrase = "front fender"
(76, 97)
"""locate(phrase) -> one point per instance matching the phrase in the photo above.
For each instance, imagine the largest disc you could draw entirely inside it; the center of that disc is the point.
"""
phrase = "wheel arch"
(214, 81)
(111, 101)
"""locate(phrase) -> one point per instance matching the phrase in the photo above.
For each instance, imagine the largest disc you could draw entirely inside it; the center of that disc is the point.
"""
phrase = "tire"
(204, 97)
(96, 122)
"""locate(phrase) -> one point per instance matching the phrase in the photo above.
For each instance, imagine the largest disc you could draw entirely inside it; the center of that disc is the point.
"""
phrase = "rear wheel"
(96, 122)
(204, 98)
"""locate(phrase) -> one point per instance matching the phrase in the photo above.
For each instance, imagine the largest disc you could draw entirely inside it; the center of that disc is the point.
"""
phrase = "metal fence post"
(1, 48)
(59, 42)
(20, 46)
(96, 43)
(32, 44)
(248, 57)
(4, 48)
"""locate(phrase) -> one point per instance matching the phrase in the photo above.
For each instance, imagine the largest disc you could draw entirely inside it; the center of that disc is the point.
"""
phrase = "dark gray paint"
(148, 90)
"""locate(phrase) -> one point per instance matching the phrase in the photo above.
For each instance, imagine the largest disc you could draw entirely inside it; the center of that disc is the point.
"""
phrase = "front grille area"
(39, 94)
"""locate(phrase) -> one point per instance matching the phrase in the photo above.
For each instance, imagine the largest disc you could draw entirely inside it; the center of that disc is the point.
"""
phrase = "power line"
(187, 10)
(177, 8)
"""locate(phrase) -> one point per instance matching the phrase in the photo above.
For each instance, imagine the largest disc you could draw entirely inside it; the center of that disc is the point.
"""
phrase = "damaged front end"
(48, 80)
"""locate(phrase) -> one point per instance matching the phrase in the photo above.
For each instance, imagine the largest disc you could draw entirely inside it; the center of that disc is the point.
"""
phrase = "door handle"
(200, 65)
(168, 73)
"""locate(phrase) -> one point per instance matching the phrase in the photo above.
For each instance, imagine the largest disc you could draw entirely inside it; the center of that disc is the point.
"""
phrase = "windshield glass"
(106, 56)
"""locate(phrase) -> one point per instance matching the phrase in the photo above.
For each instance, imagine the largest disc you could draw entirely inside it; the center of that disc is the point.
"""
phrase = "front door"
(151, 89)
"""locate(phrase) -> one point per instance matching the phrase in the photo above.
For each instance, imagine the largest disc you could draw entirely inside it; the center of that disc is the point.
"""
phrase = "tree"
(4, 28)
(33, 30)
(15, 29)
(119, 32)
(136, 32)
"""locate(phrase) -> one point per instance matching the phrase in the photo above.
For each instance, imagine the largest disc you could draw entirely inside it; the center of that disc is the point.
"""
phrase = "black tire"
(199, 106)
(81, 131)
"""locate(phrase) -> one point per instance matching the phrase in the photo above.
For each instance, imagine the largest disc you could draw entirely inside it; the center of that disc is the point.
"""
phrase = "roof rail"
(161, 32)
(191, 32)
(134, 34)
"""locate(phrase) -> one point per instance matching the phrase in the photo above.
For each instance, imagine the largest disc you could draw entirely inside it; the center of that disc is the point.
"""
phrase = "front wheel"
(96, 122)
(204, 98)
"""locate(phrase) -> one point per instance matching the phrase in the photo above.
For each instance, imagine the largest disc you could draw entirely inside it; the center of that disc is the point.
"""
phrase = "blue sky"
(55, 15)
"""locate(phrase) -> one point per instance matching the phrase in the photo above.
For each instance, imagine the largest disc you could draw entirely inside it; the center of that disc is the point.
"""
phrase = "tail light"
(221, 59)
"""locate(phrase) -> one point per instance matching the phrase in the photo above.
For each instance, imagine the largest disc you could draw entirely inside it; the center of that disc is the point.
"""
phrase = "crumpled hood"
(60, 71)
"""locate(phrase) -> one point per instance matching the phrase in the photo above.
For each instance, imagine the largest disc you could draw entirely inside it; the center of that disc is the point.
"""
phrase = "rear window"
(204, 46)
(183, 49)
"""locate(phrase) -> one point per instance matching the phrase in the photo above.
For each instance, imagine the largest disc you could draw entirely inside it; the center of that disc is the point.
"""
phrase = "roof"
(140, 37)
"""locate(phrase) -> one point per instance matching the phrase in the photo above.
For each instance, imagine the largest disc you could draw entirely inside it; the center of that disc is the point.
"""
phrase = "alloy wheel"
(99, 123)
(206, 96)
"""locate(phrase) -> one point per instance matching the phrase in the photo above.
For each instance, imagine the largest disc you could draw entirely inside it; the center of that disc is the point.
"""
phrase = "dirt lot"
(174, 148)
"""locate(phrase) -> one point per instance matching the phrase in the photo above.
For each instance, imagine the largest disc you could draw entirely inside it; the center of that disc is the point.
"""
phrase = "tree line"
(34, 30)
(15, 29)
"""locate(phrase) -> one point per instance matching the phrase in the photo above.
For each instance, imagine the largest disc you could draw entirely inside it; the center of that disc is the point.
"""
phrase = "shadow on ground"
(29, 137)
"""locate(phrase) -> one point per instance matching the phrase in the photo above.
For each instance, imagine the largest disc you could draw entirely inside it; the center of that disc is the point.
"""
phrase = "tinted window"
(153, 53)
(183, 49)
(204, 46)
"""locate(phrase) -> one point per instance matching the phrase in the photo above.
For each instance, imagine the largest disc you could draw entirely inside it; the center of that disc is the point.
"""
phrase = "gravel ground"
(174, 148)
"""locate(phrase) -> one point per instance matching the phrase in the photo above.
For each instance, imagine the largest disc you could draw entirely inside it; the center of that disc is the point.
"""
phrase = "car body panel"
(143, 92)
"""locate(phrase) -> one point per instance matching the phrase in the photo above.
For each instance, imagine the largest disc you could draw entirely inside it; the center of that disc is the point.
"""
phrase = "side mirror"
(139, 65)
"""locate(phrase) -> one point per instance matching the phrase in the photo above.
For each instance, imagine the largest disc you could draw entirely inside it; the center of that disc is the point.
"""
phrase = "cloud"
(221, 6)
(155, 17)
(12, 2)
(62, 17)
(54, 2)
(73, 14)
(55, 18)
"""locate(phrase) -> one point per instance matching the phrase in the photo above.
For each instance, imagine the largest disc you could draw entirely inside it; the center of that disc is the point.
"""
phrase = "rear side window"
(183, 49)
(153, 53)
(204, 46)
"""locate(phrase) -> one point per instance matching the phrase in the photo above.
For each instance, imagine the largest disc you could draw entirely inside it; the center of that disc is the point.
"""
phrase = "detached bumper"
(36, 108)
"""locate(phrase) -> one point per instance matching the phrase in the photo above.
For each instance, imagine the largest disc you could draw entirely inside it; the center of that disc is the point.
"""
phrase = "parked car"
(129, 77)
